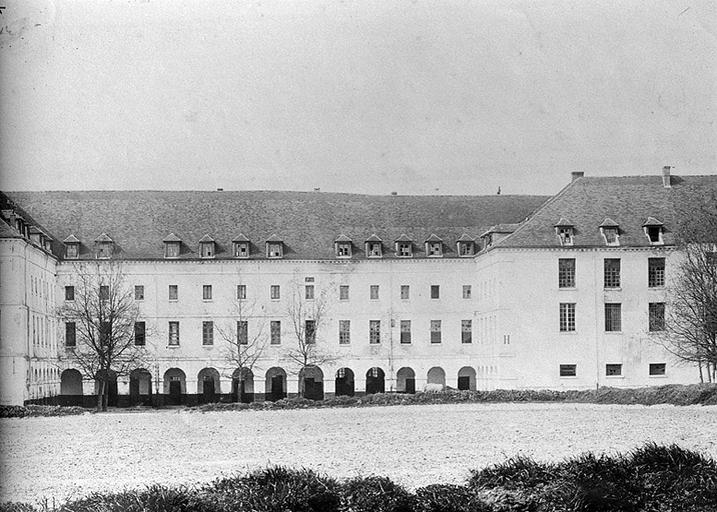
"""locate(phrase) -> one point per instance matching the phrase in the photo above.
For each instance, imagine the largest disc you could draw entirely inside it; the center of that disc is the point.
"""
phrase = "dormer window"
(434, 247)
(374, 247)
(206, 247)
(241, 247)
(72, 247)
(653, 230)
(610, 231)
(274, 247)
(404, 247)
(172, 246)
(343, 247)
(466, 246)
(104, 246)
(565, 232)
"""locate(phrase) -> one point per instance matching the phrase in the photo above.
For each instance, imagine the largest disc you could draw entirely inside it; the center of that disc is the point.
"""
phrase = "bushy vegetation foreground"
(650, 479)
(19, 411)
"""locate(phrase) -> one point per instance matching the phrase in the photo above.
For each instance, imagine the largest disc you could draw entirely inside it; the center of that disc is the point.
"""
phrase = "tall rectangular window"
(242, 332)
(612, 272)
(568, 370)
(344, 292)
(435, 331)
(69, 293)
(657, 316)
(309, 292)
(344, 332)
(241, 291)
(275, 327)
(466, 331)
(140, 333)
(207, 292)
(405, 331)
(467, 291)
(207, 333)
(310, 332)
(613, 317)
(567, 316)
(70, 334)
(655, 272)
(104, 292)
(435, 291)
(566, 273)
(174, 333)
(373, 292)
(173, 292)
(138, 292)
(374, 332)
(275, 292)
(405, 292)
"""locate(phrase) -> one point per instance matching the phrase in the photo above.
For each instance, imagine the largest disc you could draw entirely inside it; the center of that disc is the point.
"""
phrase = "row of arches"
(244, 382)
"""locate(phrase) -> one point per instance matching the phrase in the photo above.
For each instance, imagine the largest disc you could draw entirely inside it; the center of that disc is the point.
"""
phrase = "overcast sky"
(419, 97)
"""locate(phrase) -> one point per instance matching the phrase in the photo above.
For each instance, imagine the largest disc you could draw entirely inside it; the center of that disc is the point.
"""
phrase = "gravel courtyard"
(65, 457)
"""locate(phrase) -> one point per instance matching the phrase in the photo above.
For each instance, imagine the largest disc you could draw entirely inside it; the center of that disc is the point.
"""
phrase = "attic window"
(72, 247)
(466, 247)
(172, 246)
(610, 232)
(653, 230)
(434, 247)
(404, 247)
(241, 249)
(274, 248)
(104, 246)
(342, 247)
(374, 247)
(565, 232)
(206, 247)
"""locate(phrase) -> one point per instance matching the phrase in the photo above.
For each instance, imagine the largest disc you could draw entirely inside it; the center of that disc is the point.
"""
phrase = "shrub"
(374, 494)
(516, 472)
(448, 498)
(19, 411)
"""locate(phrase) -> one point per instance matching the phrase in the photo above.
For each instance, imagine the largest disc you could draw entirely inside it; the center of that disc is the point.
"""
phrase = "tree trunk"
(101, 406)
(702, 377)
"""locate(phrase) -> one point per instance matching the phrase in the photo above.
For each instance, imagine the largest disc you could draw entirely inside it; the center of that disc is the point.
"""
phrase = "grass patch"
(650, 478)
(19, 411)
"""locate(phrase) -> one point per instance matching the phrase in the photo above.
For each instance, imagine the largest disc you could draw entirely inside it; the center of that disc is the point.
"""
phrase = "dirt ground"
(66, 457)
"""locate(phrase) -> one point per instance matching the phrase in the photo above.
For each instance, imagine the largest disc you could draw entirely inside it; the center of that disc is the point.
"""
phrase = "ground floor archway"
(437, 376)
(467, 379)
(311, 382)
(344, 383)
(111, 382)
(175, 386)
(243, 385)
(140, 387)
(71, 387)
(375, 381)
(275, 386)
(406, 380)
(208, 386)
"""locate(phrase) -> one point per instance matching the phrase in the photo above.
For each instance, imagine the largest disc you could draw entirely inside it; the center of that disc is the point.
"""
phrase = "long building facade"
(470, 292)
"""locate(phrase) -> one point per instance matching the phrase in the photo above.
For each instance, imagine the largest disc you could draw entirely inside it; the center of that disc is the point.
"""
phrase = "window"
(613, 370)
(309, 292)
(207, 292)
(69, 293)
(610, 234)
(435, 331)
(344, 332)
(310, 332)
(275, 327)
(466, 248)
(567, 316)
(70, 334)
(565, 234)
(274, 249)
(405, 331)
(173, 333)
(466, 331)
(138, 292)
(435, 291)
(434, 248)
(139, 333)
(207, 333)
(405, 292)
(566, 273)
(655, 272)
(613, 317)
(657, 368)
(275, 292)
(241, 291)
(612, 272)
(654, 234)
(374, 250)
(374, 332)
(568, 370)
(206, 249)
(467, 291)
(173, 292)
(344, 292)
(242, 332)
(657, 316)
(72, 251)
(404, 249)
(373, 292)
(104, 292)
(241, 249)
(171, 249)
(343, 249)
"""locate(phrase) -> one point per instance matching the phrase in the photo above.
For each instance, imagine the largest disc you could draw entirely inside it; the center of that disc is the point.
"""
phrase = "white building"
(458, 291)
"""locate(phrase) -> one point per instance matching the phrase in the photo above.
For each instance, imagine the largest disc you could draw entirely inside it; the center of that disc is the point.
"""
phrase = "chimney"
(577, 174)
(666, 181)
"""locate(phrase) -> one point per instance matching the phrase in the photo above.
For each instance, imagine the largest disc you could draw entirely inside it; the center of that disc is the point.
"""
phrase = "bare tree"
(104, 314)
(243, 346)
(307, 312)
(691, 321)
